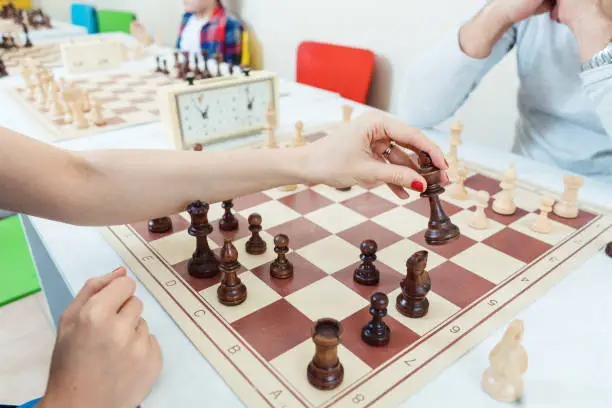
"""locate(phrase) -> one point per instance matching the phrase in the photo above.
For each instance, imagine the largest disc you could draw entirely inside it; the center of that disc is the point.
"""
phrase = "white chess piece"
(480, 220)
(299, 140)
(271, 120)
(543, 224)
(98, 113)
(347, 113)
(79, 117)
(453, 160)
(86, 102)
(56, 107)
(504, 202)
(567, 206)
(458, 190)
(503, 379)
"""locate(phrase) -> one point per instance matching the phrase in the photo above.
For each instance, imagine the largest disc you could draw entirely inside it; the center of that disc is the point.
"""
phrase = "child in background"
(208, 26)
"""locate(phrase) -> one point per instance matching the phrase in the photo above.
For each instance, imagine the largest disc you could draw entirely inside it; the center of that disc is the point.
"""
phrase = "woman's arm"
(121, 186)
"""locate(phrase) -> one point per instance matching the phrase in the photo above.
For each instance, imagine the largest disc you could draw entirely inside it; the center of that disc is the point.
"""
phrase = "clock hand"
(203, 113)
(196, 106)
(250, 103)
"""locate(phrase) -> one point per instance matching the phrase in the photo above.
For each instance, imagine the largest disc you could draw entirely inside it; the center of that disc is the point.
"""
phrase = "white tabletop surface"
(568, 331)
(60, 30)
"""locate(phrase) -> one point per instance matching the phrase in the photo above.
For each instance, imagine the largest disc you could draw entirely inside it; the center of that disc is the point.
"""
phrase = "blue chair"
(84, 15)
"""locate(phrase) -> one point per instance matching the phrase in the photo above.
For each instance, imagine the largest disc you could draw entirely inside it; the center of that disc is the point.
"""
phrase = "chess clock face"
(224, 109)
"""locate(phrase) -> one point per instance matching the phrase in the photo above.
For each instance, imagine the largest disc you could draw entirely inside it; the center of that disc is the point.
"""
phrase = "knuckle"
(91, 315)
(91, 283)
(398, 177)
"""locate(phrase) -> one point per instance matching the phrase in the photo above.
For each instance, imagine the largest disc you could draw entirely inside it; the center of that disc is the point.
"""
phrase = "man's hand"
(589, 20)
(480, 34)
(104, 355)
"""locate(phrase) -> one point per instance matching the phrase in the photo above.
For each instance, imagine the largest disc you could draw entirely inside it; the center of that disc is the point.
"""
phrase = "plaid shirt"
(223, 33)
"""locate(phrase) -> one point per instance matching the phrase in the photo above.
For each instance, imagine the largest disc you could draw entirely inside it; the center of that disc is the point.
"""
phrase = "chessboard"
(48, 54)
(263, 347)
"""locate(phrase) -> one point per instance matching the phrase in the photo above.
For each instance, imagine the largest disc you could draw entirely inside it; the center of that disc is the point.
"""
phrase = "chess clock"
(218, 109)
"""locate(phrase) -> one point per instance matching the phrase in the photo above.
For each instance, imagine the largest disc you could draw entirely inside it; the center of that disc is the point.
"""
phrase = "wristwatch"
(603, 57)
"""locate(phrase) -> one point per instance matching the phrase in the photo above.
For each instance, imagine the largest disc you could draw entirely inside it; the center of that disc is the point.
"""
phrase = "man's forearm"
(479, 35)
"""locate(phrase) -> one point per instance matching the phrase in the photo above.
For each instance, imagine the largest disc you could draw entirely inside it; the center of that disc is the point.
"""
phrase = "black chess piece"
(246, 70)
(376, 332)
(159, 67)
(440, 229)
(206, 73)
(26, 32)
(367, 274)
(281, 267)
(3, 70)
(412, 301)
(325, 371)
(231, 68)
(255, 245)
(160, 225)
(228, 221)
(231, 291)
(166, 71)
(609, 249)
(203, 263)
(196, 69)
(190, 78)
(219, 60)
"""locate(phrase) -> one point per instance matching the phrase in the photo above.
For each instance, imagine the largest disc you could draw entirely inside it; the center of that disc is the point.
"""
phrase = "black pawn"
(166, 71)
(246, 70)
(255, 245)
(26, 32)
(228, 222)
(3, 71)
(203, 263)
(231, 68)
(160, 225)
(231, 291)
(376, 332)
(190, 79)
(196, 69)
(609, 249)
(158, 68)
(281, 268)
(367, 274)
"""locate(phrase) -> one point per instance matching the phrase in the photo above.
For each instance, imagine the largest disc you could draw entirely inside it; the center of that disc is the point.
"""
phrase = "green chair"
(18, 275)
(112, 21)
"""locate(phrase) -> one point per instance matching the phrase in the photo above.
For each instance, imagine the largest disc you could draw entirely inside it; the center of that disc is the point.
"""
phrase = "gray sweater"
(565, 117)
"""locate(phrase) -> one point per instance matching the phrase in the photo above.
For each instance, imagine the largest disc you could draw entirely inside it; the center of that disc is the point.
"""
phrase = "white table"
(60, 30)
(569, 346)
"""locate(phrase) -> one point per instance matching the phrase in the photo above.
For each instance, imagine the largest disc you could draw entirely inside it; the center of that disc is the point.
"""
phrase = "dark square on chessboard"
(517, 245)
(305, 201)
(479, 182)
(457, 284)
(178, 224)
(369, 205)
(200, 284)
(370, 230)
(389, 280)
(301, 232)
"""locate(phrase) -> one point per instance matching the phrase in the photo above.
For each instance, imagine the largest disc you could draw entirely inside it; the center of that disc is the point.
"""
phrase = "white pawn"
(503, 380)
(458, 191)
(480, 220)
(543, 224)
(347, 113)
(79, 117)
(98, 113)
(271, 121)
(299, 140)
(504, 202)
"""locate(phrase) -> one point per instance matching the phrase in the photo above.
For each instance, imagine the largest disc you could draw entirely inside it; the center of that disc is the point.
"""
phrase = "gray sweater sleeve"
(439, 82)
(598, 85)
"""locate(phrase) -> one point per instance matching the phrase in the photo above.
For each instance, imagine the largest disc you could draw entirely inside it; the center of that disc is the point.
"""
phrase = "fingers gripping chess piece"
(228, 221)
(366, 273)
(231, 291)
(504, 202)
(376, 332)
(503, 380)
(203, 263)
(255, 245)
(412, 301)
(281, 267)
(480, 220)
(440, 228)
(325, 371)
(567, 207)
(543, 224)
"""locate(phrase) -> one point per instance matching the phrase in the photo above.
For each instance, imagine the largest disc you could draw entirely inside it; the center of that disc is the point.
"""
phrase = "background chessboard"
(128, 99)
(48, 55)
(262, 347)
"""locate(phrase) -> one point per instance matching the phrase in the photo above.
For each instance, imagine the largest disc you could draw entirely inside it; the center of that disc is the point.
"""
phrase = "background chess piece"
(228, 221)
(255, 245)
(325, 371)
(366, 273)
(347, 112)
(159, 225)
(281, 268)
(543, 224)
(412, 301)
(504, 202)
(609, 249)
(567, 206)
(508, 362)
(440, 229)
(99, 119)
(231, 291)
(376, 333)
(299, 139)
(452, 157)
(271, 126)
(479, 219)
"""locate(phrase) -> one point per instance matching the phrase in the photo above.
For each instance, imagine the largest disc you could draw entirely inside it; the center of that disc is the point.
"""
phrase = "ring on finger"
(388, 150)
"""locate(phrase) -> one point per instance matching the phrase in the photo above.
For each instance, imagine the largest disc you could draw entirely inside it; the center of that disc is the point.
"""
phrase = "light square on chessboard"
(292, 366)
(402, 221)
(304, 274)
(557, 234)
(401, 337)
(301, 232)
(389, 280)
(370, 230)
(463, 220)
(457, 284)
(274, 329)
(177, 247)
(330, 254)
(199, 284)
(385, 192)
(422, 207)
(259, 295)
(272, 213)
(336, 195)
(277, 193)
(178, 224)
(518, 245)
(398, 254)
(253, 261)
(327, 297)
(335, 218)
(440, 309)
(487, 262)
(306, 201)
(478, 182)
(369, 205)
(447, 250)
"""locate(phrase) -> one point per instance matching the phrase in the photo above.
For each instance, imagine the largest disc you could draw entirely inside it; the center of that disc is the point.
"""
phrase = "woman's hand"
(104, 355)
(353, 155)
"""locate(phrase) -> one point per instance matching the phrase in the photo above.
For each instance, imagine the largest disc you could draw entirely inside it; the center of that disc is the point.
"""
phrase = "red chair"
(344, 70)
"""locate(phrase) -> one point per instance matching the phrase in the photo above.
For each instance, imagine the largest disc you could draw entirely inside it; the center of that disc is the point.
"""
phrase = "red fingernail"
(417, 185)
